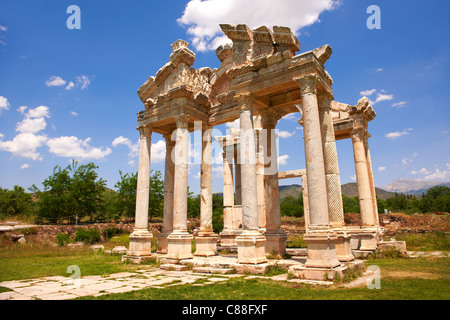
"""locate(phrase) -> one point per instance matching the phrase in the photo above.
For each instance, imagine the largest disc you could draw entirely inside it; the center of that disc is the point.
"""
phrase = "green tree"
(292, 206)
(156, 195)
(126, 194)
(15, 202)
(351, 205)
(73, 191)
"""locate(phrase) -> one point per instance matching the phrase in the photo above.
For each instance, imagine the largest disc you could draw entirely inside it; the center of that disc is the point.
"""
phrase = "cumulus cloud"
(382, 97)
(73, 113)
(24, 145)
(4, 104)
(70, 85)
(73, 147)
(381, 169)
(282, 160)
(24, 166)
(398, 134)
(202, 18)
(158, 149)
(438, 175)
(55, 81)
(34, 119)
(285, 134)
(368, 92)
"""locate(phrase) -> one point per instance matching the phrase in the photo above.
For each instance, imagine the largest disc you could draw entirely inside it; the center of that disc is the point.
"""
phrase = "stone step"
(173, 267)
(298, 252)
(213, 270)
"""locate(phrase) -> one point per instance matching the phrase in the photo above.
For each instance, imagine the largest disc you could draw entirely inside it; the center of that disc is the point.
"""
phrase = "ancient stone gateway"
(260, 80)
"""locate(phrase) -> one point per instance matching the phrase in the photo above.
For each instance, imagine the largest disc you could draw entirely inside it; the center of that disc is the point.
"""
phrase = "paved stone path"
(63, 288)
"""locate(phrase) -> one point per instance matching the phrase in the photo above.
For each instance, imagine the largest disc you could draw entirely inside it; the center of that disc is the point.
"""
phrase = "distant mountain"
(349, 190)
(410, 186)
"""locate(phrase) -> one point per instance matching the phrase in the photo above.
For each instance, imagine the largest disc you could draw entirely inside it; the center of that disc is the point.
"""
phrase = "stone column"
(251, 244)
(305, 202)
(140, 239)
(237, 177)
(368, 231)
(206, 242)
(231, 221)
(320, 238)
(180, 240)
(260, 184)
(372, 182)
(333, 181)
(275, 236)
(168, 196)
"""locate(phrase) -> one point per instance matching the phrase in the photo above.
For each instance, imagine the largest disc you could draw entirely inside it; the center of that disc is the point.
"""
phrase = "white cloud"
(353, 178)
(3, 28)
(218, 171)
(30, 125)
(72, 147)
(24, 166)
(203, 17)
(73, 113)
(131, 163)
(424, 171)
(4, 104)
(285, 134)
(34, 119)
(24, 145)
(158, 151)
(197, 175)
(400, 104)
(439, 175)
(292, 117)
(55, 81)
(134, 147)
(282, 160)
(398, 134)
(368, 92)
(83, 81)
(70, 85)
(381, 169)
(379, 70)
(382, 97)
(414, 172)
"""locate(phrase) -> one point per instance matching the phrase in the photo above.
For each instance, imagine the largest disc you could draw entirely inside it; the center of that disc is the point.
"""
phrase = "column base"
(364, 238)
(321, 248)
(251, 247)
(179, 245)
(320, 274)
(228, 238)
(276, 242)
(343, 248)
(163, 242)
(140, 243)
(206, 245)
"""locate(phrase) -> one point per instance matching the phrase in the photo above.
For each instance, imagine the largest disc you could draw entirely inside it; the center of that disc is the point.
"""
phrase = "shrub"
(88, 236)
(62, 239)
(111, 231)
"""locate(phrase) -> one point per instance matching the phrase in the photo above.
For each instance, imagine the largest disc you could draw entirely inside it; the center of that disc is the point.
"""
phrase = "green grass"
(27, 261)
(418, 278)
(435, 241)
(401, 279)
(295, 242)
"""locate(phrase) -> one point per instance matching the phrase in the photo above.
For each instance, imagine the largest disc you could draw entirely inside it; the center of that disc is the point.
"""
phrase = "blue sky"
(72, 93)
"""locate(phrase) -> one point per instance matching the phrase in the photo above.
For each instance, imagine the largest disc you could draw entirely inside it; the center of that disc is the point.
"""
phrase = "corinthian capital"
(325, 98)
(308, 83)
(245, 101)
(358, 134)
(144, 132)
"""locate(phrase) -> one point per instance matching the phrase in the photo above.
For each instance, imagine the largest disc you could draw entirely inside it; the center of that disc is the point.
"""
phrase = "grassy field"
(418, 278)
